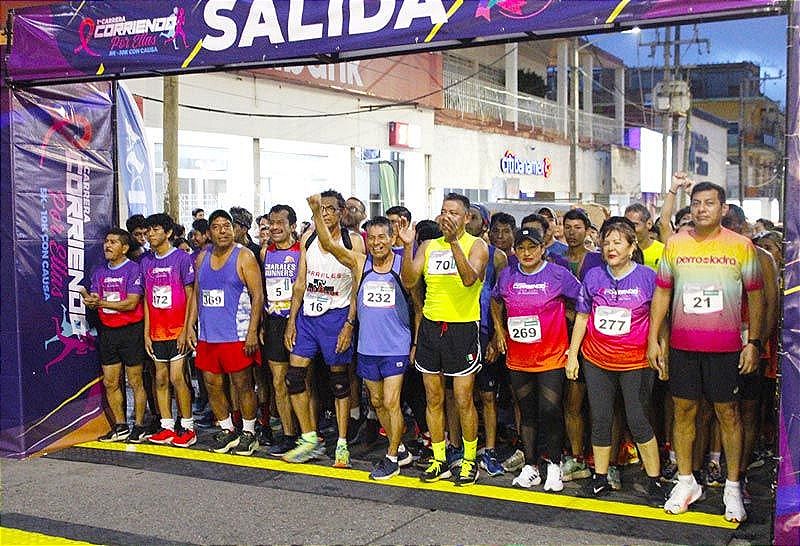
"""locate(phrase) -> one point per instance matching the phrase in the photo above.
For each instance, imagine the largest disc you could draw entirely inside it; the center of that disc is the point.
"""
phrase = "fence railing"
(489, 102)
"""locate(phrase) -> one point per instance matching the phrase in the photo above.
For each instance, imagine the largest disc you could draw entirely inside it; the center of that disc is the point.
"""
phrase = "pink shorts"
(224, 357)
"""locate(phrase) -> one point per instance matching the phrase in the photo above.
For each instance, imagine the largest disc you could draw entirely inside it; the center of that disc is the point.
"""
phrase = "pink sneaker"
(185, 439)
(164, 436)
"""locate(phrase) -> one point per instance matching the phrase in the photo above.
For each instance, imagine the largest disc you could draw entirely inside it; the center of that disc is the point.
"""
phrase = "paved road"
(148, 496)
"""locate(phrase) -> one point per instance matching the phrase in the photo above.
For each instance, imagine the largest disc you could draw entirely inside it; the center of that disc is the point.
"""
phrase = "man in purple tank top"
(228, 306)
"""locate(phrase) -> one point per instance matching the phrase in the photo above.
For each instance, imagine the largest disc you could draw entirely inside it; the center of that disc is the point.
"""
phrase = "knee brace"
(340, 384)
(296, 379)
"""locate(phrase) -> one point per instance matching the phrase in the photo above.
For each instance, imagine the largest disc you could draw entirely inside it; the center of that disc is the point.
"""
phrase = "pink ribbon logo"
(85, 32)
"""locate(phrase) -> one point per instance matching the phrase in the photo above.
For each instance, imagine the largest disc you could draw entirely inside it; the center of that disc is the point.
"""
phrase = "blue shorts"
(377, 368)
(319, 335)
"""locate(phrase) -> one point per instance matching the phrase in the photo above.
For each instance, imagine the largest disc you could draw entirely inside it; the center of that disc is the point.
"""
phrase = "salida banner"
(87, 40)
(57, 195)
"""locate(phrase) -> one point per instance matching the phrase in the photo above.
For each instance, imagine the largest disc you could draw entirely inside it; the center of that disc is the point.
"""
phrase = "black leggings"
(539, 397)
(637, 388)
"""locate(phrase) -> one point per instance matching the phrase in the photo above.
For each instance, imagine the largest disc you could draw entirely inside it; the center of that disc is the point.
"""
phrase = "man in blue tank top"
(321, 320)
(230, 299)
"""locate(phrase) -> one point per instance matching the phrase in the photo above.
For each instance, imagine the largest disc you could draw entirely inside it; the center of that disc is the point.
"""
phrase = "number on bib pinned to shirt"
(162, 297)
(112, 297)
(699, 300)
(315, 305)
(213, 298)
(278, 289)
(378, 294)
(441, 262)
(525, 329)
(612, 321)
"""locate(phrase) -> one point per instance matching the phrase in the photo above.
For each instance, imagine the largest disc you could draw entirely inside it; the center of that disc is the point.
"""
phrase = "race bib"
(378, 294)
(111, 296)
(700, 300)
(279, 289)
(441, 262)
(213, 298)
(162, 297)
(612, 321)
(315, 304)
(525, 329)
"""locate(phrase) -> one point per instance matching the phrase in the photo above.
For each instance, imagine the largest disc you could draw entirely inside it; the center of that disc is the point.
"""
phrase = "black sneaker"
(264, 435)
(437, 470)
(282, 446)
(468, 474)
(205, 421)
(247, 444)
(138, 434)
(596, 487)
(118, 433)
(354, 429)
(369, 432)
(656, 494)
(224, 441)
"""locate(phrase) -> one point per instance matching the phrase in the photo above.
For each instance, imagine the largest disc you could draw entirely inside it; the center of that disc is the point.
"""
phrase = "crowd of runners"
(555, 349)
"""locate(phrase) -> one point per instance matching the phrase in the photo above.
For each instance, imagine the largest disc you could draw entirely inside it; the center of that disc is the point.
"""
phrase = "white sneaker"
(528, 477)
(682, 496)
(734, 505)
(553, 481)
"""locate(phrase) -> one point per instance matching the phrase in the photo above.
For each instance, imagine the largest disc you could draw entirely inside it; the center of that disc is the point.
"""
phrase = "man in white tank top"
(321, 320)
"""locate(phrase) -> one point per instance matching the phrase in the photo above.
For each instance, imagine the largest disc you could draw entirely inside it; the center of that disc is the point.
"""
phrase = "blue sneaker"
(454, 456)
(490, 463)
(404, 457)
(384, 470)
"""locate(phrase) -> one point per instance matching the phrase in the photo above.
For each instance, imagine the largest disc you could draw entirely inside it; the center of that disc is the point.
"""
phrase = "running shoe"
(598, 486)
(369, 432)
(514, 462)
(138, 434)
(614, 479)
(302, 452)
(264, 435)
(185, 439)
(454, 456)
(682, 496)
(282, 446)
(247, 444)
(468, 474)
(656, 494)
(554, 481)
(354, 428)
(528, 477)
(404, 457)
(384, 470)
(669, 471)
(437, 470)
(573, 469)
(164, 436)
(714, 476)
(118, 433)
(224, 441)
(342, 457)
(205, 421)
(734, 506)
(275, 425)
(490, 463)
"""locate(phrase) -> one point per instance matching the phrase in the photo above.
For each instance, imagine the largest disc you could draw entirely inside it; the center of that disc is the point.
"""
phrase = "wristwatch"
(756, 343)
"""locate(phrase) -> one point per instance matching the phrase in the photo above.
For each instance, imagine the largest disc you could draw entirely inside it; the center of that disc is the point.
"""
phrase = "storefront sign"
(511, 164)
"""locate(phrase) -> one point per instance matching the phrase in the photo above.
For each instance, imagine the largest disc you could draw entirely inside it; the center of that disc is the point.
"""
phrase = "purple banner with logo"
(787, 497)
(57, 199)
(87, 40)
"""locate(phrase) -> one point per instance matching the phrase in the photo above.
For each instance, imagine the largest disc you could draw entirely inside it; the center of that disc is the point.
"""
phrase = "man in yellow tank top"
(448, 342)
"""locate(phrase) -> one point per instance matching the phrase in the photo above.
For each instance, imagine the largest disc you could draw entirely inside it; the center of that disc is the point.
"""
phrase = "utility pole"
(573, 147)
(172, 204)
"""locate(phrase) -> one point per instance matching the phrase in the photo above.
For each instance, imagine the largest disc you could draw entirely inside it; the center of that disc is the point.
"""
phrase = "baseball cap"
(483, 211)
(528, 234)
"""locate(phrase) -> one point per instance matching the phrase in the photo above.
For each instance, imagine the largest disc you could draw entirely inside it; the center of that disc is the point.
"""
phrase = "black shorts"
(750, 384)
(452, 348)
(124, 344)
(166, 351)
(715, 375)
(273, 348)
(486, 380)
